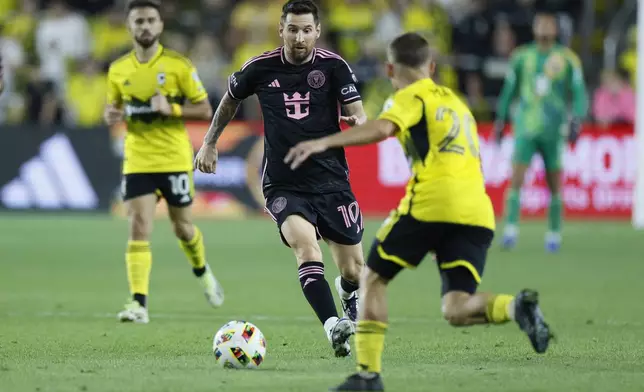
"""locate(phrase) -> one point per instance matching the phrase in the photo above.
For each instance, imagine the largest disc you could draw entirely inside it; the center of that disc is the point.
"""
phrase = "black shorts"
(336, 216)
(176, 188)
(460, 250)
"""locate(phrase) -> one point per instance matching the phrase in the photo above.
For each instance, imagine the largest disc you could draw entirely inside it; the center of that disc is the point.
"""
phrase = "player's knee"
(140, 227)
(454, 314)
(184, 230)
(351, 268)
(306, 250)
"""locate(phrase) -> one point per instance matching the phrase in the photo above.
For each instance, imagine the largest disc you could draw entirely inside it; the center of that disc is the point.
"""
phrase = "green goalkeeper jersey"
(544, 83)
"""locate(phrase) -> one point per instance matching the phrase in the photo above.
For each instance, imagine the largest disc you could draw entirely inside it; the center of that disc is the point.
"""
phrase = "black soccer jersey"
(299, 103)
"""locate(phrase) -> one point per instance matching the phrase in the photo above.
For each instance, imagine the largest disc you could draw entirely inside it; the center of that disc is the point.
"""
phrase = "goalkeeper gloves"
(575, 130)
(499, 126)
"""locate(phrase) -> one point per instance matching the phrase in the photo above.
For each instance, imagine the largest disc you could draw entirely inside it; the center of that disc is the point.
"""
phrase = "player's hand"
(351, 120)
(298, 154)
(160, 104)
(112, 115)
(575, 130)
(499, 126)
(206, 159)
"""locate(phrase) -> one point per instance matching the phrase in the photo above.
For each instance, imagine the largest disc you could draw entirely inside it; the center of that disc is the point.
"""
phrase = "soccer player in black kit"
(300, 90)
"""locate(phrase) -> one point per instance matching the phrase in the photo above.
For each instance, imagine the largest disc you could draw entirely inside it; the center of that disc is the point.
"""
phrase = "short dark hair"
(410, 49)
(301, 7)
(133, 4)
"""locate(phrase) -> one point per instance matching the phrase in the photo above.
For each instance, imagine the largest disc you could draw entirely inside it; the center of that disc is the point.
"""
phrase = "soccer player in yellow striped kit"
(446, 211)
(155, 89)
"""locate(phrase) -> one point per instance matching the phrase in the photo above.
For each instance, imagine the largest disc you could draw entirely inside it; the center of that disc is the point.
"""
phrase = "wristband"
(177, 110)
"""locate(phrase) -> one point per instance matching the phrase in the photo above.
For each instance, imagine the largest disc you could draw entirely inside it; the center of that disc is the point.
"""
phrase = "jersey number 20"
(448, 143)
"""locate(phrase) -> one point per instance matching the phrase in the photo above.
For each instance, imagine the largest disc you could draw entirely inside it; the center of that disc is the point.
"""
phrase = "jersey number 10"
(449, 143)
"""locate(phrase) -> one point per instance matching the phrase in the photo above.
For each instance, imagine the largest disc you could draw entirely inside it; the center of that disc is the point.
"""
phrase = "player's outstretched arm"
(206, 159)
(371, 132)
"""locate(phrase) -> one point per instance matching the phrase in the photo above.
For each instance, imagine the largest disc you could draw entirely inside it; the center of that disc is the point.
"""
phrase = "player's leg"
(178, 190)
(296, 220)
(522, 156)
(350, 262)
(461, 259)
(552, 152)
(140, 203)
(341, 225)
(401, 242)
(301, 236)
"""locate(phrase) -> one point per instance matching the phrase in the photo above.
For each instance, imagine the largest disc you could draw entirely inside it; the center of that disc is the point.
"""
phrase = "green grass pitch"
(62, 281)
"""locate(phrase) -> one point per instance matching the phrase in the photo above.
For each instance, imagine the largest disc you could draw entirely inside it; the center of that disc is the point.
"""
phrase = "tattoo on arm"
(225, 112)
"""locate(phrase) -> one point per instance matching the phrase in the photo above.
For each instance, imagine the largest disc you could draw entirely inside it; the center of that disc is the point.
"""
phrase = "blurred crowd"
(56, 52)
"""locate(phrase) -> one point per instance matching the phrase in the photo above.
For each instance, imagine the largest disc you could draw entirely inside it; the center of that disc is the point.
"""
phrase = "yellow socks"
(195, 251)
(138, 259)
(499, 309)
(370, 342)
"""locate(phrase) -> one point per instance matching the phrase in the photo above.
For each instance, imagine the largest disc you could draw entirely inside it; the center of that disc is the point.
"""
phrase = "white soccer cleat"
(339, 331)
(348, 301)
(134, 313)
(212, 289)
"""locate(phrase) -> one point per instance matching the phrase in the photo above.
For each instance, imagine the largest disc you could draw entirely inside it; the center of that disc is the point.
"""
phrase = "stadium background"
(56, 54)
(62, 275)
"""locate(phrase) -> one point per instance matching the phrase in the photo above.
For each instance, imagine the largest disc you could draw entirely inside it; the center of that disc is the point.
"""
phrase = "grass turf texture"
(62, 280)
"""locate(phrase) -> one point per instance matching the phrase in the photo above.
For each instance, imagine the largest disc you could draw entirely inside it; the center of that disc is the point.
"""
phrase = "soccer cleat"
(349, 305)
(510, 237)
(530, 319)
(339, 334)
(134, 313)
(361, 382)
(553, 242)
(212, 289)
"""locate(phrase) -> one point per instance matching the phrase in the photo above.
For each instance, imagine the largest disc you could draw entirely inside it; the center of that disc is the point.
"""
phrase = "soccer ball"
(239, 345)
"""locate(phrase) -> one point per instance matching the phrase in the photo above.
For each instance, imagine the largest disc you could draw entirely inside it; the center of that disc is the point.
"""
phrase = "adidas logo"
(274, 83)
(52, 179)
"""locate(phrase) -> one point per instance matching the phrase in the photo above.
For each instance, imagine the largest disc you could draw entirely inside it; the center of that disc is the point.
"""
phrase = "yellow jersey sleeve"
(405, 110)
(113, 93)
(190, 84)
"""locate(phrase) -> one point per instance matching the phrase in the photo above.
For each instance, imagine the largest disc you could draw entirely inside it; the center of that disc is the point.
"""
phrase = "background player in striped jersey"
(299, 88)
(155, 90)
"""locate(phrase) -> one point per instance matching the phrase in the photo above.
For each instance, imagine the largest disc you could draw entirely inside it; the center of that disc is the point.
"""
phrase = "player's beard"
(146, 41)
(300, 54)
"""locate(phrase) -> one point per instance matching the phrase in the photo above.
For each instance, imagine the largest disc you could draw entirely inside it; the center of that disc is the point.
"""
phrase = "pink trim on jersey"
(230, 92)
(265, 55)
(326, 54)
(352, 99)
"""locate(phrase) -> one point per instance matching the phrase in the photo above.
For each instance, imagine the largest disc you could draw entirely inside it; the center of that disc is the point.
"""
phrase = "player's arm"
(223, 115)
(344, 82)
(403, 112)
(579, 95)
(113, 113)
(240, 86)
(509, 89)
(197, 106)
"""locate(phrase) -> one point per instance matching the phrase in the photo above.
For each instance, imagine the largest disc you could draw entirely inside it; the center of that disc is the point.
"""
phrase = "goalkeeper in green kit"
(543, 76)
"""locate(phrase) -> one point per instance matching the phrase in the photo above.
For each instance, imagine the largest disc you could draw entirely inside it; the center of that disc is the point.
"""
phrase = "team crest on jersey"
(279, 204)
(316, 79)
(554, 66)
(161, 78)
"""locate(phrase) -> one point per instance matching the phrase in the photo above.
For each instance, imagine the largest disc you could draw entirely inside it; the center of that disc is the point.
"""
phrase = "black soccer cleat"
(361, 382)
(530, 319)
